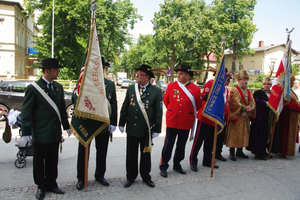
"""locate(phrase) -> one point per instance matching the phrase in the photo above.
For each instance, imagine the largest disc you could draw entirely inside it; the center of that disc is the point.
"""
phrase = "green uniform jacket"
(132, 116)
(110, 90)
(38, 120)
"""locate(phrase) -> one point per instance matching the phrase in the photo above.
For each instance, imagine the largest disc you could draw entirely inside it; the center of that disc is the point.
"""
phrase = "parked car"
(133, 82)
(125, 83)
(162, 85)
(12, 96)
(120, 80)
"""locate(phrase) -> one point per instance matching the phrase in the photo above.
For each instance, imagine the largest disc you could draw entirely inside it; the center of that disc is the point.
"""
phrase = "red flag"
(281, 84)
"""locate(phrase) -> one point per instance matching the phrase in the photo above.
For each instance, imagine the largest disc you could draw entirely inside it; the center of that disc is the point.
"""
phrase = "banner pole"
(214, 152)
(86, 165)
(272, 136)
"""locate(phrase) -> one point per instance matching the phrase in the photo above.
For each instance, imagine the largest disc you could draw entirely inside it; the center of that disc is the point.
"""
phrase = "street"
(277, 178)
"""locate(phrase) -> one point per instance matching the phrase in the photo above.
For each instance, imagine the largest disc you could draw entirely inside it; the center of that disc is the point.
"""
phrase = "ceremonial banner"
(91, 110)
(281, 83)
(214, 107)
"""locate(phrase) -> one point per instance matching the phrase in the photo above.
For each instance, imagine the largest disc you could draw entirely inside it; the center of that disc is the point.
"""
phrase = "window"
(272, 65)
(18, 87)
(240, 66)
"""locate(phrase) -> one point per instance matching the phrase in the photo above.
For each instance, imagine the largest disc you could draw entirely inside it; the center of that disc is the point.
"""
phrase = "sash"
(194, 106)
(47, 98)
(242, 95)
(140, 103)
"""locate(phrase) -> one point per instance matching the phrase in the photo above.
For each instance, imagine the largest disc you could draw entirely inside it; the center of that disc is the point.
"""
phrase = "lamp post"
(52, 45)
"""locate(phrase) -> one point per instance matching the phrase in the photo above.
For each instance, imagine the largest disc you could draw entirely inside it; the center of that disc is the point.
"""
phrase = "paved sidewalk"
(253, 179)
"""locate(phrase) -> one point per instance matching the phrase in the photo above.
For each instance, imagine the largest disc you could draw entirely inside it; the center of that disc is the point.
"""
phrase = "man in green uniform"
(101, 140)
(42, 118)
(142, 114)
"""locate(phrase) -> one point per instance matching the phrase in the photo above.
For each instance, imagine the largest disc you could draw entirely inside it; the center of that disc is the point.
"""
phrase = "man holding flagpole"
(141, 112)
(101, 140)
(182, 100)
(288, 123)
(91, 113)
(204, 132)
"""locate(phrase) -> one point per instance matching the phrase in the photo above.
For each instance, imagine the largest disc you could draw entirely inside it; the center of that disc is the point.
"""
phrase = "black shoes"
(103, 181)
(58, 191)
(40, 194)
(232, 157)
(179, 170)
(209, 165)
(261, 157)
(149, 183)
(194, 168)
(220, 157)
(164, 173)
(128, 183)
(241, 155)
(79, 185)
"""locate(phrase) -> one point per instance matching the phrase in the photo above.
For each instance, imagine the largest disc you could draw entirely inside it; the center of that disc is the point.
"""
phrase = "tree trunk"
(235, 46)
(206, 73)
(172, 62)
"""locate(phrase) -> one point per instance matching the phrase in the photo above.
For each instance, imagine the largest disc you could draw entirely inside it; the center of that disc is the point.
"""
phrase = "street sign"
(169, 73)
(254, 71)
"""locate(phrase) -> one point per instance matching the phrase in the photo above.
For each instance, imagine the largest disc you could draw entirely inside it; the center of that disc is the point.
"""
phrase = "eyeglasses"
(141, 75)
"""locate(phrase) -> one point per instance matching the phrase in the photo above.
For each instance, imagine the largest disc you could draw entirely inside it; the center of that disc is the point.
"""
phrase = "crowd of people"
(249, 124)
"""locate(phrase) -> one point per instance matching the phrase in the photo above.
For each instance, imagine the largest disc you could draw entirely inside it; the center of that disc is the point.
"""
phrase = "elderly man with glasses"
(142, 113)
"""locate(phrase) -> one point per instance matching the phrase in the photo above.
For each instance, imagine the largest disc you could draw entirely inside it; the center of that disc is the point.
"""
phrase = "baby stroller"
(25, 148)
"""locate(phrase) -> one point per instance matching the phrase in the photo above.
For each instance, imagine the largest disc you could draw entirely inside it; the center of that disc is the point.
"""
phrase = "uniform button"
(54, 126)
(135, 117)
(134, 124)
(135, 109)
(180, 111)
(180, 104)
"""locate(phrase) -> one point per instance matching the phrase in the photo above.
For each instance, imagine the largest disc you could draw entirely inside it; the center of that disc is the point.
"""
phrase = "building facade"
(263, 60)
(16, 41)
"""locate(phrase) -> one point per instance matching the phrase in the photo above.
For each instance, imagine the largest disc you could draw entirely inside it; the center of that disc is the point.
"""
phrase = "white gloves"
(121, 128)
(27, 138)
(69, 132)
(154, 134)
(111, 128)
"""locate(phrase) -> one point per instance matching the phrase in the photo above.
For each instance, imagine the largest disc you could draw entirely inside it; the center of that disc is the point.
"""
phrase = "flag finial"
(289, 32)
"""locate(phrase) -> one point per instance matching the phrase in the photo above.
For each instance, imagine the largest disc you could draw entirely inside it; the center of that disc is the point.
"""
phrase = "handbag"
(7, 132)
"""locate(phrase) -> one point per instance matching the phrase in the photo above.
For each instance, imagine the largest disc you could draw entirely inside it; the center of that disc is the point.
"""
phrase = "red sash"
(242, 95)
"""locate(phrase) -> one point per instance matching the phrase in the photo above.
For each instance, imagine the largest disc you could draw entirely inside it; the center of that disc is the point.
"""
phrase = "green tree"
(295, 69)
(235, 19)
(113, 21)
(71, 19)
(72, 24)
(141, 53)
(171, 33)
(185, 33)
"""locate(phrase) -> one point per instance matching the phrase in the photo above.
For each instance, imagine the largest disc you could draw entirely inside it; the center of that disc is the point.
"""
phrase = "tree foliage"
(72, 20)
(235, 19)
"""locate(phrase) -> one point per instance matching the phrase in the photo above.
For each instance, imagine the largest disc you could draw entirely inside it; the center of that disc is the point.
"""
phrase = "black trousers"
(220, 141)
(132, 150)
(101, 142)
(204, 132)
(45, 160)
(171, 134)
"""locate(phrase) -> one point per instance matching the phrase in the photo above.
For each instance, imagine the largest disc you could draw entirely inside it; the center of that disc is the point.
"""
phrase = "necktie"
(50, 90)
(141, 90)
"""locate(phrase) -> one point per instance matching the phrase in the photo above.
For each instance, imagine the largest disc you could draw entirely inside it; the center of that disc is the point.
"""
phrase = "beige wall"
(260, 60)
(16, 34)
